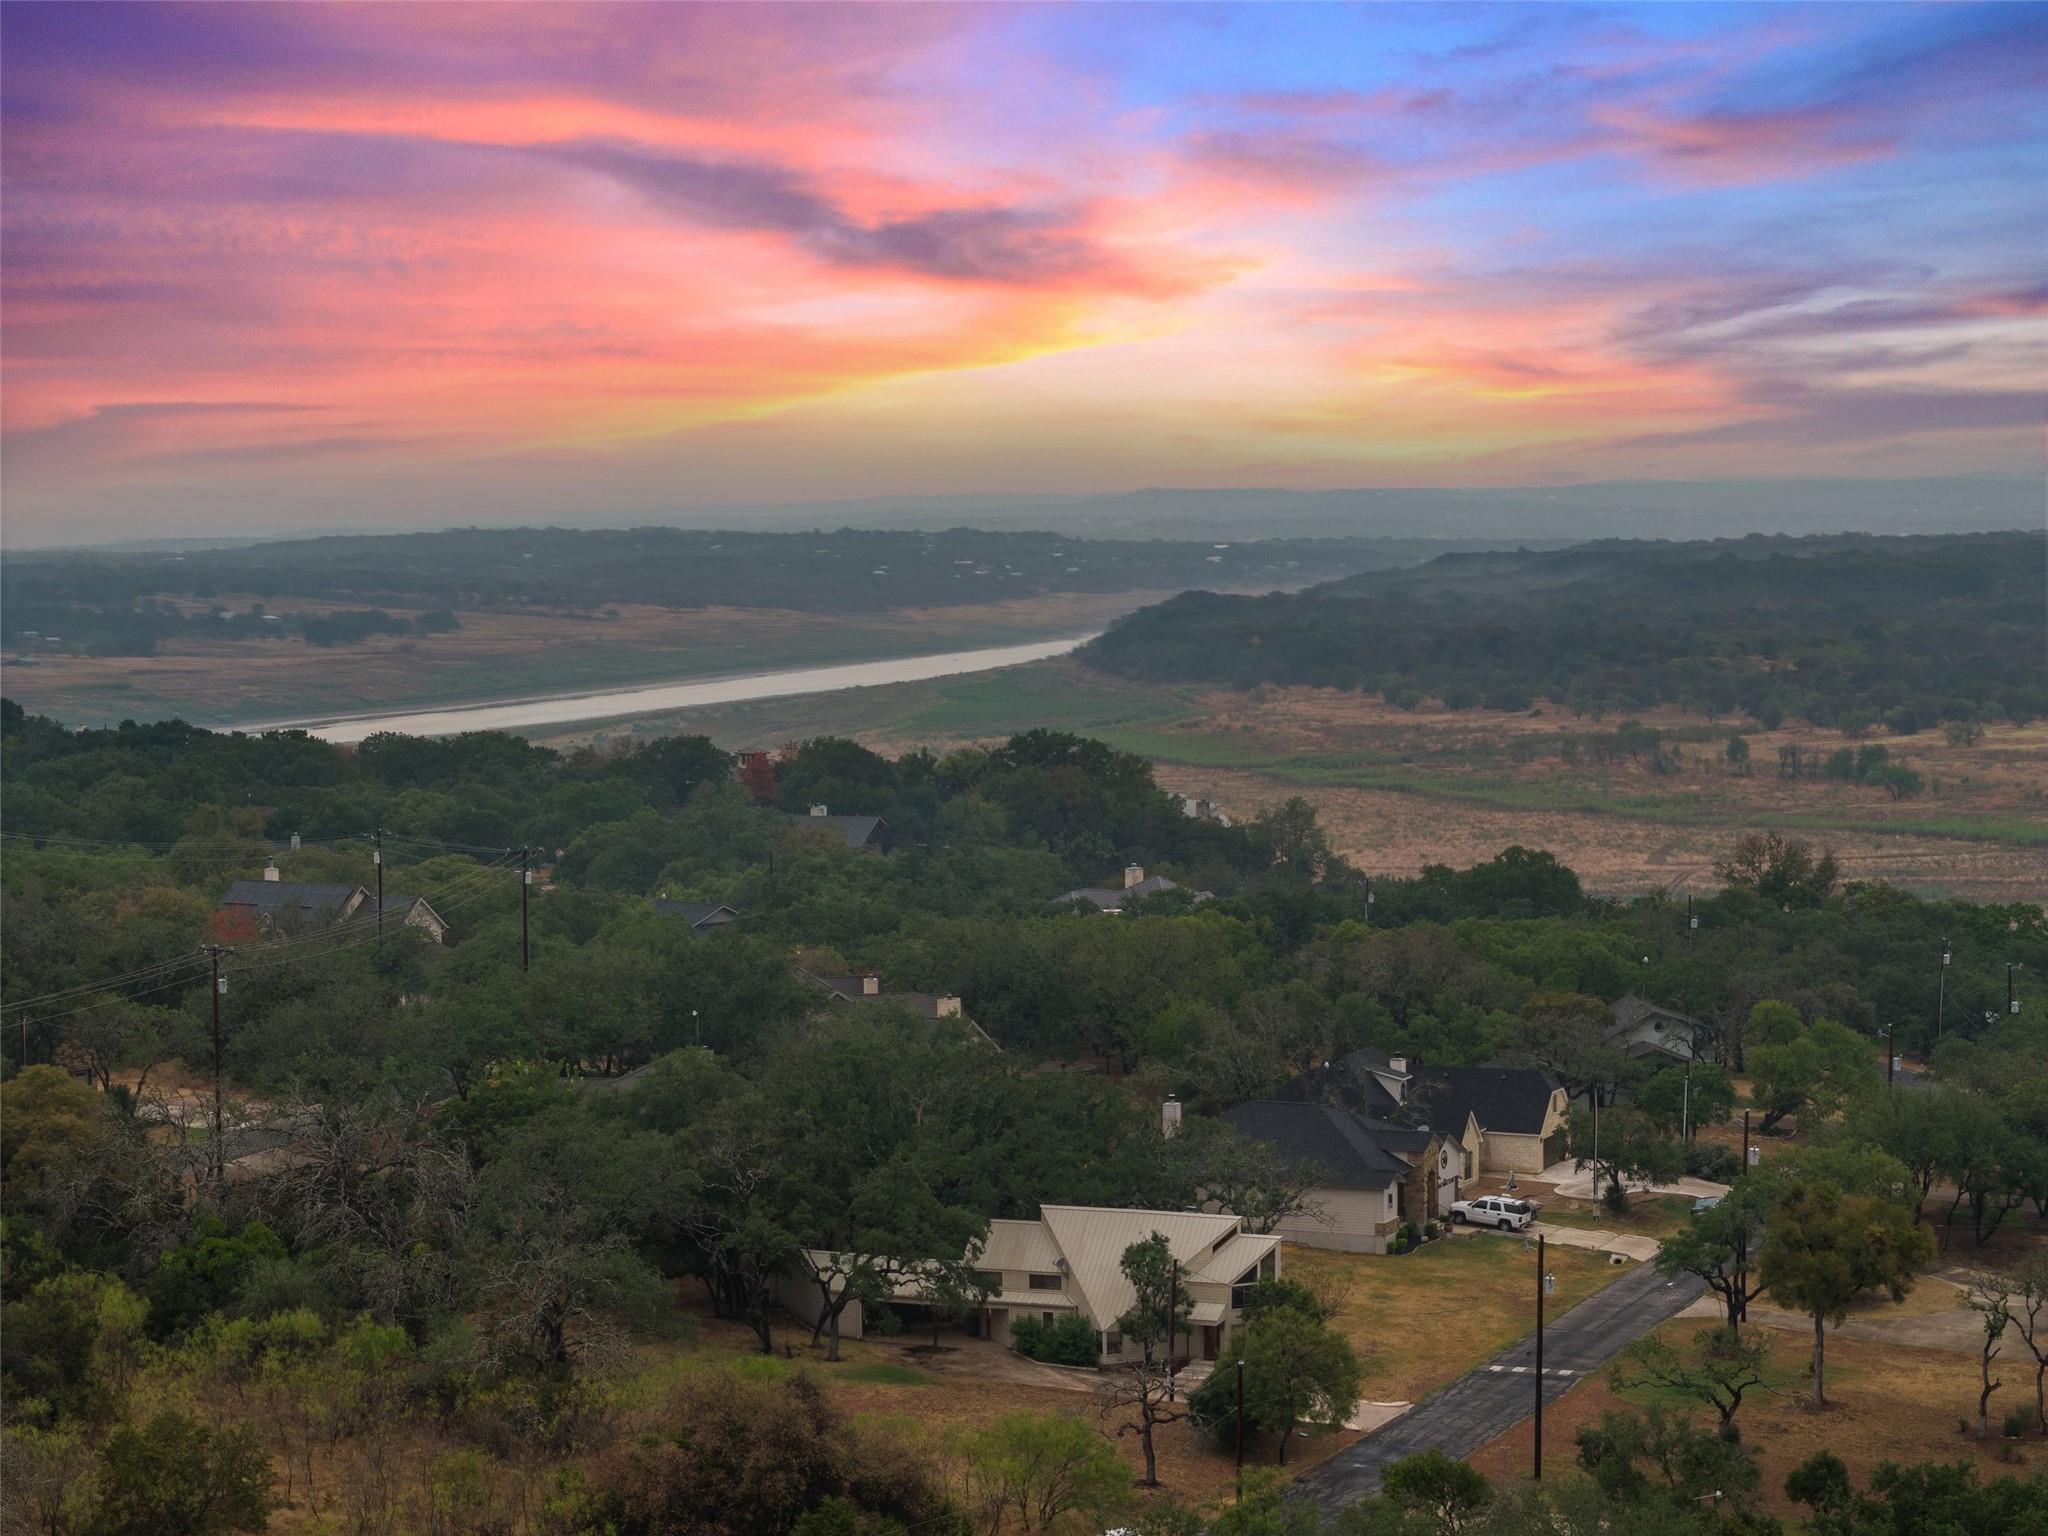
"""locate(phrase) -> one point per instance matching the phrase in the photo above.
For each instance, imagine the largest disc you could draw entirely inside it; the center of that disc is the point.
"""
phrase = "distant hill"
(106, 602)
(1639, 509)
(1843, 631)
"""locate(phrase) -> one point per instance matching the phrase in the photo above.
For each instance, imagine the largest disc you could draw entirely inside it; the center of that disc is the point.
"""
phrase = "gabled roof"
(1113, 898)
(1515, 1100)
(1092, 1240)
(1022, 1245)
(1341, 1143)
(858, 831)
(269, 896)
(1348, 1082)
(698, 914)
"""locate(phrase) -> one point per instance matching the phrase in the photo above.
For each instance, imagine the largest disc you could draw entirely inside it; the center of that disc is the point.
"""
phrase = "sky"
(326, 266)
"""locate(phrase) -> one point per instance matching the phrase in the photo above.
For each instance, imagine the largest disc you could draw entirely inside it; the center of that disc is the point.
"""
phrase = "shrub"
(175, 1474)
(751, 1459)
(1066, 1340)
(2020, 1421)
(1437, 1485)
(1709, 1160)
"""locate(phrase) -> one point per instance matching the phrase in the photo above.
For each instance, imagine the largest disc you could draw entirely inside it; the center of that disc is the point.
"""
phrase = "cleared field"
(1421, 1319)
(1400, 789)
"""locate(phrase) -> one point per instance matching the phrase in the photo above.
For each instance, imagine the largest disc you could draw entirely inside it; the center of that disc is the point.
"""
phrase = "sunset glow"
(334, 265)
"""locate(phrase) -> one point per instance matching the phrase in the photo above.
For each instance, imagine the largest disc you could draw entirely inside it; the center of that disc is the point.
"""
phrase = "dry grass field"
(1400, 789)
(1886, 1402)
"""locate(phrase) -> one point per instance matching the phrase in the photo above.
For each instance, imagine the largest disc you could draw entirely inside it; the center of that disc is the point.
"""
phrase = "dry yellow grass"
(1424, 1318)
(1887, 1402)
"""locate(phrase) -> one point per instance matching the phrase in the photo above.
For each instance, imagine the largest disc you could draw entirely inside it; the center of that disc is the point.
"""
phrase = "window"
(1239, 1296)
(992, 1278)
(1045, 1317)
(1048, 1282)
(1112, 1343)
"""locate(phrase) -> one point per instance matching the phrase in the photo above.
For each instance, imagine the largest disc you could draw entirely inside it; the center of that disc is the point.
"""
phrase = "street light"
(1941, 989)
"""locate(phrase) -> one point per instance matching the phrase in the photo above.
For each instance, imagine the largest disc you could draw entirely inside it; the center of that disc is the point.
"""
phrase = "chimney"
(1398, 1064)
(871, 986)
(295, 842)
(1133, 874)
(819, 810)
(947, 1008)
(1169, 1116)
(270, 870)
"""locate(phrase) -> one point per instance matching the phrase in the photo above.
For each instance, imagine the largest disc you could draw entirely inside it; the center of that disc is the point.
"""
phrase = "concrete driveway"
(1573, 1183)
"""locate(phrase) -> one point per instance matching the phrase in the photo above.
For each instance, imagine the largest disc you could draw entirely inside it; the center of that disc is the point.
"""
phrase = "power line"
(141, 973)
(459, 893)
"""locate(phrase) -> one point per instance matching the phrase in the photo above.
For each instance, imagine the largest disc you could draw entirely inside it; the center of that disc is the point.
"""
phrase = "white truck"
(1502, 1211)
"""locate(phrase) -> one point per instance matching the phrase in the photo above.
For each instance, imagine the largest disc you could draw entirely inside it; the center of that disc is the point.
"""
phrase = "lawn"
(1424, 1318)
(874, 1378)
(1647, 1216)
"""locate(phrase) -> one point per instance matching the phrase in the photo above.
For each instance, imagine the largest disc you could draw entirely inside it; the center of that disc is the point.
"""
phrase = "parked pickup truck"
(1503, 1211)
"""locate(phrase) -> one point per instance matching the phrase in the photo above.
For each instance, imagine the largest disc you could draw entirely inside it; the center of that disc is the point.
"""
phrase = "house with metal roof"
(1071, 1260)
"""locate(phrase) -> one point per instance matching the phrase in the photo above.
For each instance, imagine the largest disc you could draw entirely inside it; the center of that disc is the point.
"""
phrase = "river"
(614, 703)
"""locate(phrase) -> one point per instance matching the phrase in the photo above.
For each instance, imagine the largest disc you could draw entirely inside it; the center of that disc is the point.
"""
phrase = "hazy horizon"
(1666, 509)
(277, 268)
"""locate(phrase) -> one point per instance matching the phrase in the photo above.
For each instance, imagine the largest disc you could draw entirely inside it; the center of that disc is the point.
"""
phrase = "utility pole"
(216, 1160)
(1172, 1319)
(1240, 1429)
(525, 885)
(1368, 901)
(1745, 1141)
(2012, 1001)
(1542, 1283)
(1685, 1113)
(377, 863)
(1890, 1059)
(1941, 990)
(1691, 923)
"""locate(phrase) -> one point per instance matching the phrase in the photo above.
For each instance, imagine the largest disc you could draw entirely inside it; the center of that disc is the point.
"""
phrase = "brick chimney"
(1133, 875)
(270, 870)
(1169, 1116)
(871, 986)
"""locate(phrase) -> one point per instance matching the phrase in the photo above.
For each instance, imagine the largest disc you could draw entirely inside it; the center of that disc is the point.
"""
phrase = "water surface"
(614, 703)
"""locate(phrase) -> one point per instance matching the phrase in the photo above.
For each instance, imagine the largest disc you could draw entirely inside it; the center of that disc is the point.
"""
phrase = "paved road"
(1491, 1400)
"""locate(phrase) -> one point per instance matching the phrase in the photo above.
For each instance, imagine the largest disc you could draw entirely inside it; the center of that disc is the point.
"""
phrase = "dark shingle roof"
(1347, 1082)
(858, 831)
(698, 914)
(290, 895)
(1111, 898)
(1510, 1099)
(1339, 1142)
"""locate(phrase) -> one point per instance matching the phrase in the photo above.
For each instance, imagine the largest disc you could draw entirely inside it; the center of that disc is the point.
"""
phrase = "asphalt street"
(1491, 1400)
